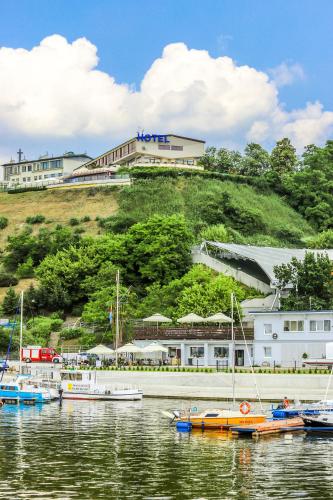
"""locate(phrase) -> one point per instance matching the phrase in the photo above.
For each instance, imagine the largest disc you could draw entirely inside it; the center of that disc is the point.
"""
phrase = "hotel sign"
(152, 138)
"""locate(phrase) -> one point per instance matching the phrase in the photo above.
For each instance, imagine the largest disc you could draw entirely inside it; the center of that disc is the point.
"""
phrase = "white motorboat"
(323, 419)
(82, 385)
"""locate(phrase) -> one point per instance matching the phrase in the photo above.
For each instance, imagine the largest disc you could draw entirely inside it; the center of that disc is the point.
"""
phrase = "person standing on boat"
(285, 402)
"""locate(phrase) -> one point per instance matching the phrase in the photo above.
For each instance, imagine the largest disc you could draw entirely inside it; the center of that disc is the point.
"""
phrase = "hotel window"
(29, 168)
(24, 179)
(267, 352)
(163, 146)
(45, 165)
(320, 326)
(35, 177)
(24, 168)
(221, 352)
(197, 352)
(55, 164)
(293, 326)
(268, 328)
(46, 176)
(39, 177)
(177, 148)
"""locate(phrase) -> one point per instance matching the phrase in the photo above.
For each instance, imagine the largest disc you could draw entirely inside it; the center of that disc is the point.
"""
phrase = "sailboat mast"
(21, 331)
(117, 315)
(233, 350)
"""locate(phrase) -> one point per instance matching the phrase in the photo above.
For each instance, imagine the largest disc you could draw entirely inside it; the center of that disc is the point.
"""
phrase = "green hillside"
(67, 259)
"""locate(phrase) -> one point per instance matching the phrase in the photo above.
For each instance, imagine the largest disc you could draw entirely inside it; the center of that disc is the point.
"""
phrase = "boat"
(21, 390)
(298, 409)
(218, 418)
(82, 385)
(324, 419)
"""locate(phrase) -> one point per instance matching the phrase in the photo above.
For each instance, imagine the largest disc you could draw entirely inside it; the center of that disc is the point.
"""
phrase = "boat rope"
(249, 357)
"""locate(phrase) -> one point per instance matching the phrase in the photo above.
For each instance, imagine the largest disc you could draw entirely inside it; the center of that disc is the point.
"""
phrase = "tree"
(322, 240)
(256, 160)
(283, 157)
(10, 304)
(158, 250)
(311, 281)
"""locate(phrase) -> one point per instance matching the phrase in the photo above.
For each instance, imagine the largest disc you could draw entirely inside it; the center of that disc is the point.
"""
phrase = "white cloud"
(286, 74)
(55, 93)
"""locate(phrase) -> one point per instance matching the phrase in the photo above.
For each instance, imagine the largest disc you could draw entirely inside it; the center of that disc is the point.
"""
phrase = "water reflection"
(126, 450)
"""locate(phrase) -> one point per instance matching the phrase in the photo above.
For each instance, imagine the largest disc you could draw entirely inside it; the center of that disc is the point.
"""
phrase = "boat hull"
(130, 396)
(319, 420)
(223, 422)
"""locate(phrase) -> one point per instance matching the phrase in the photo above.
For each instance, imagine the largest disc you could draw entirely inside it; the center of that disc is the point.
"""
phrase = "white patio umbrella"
(102, 350)
(129, 349)
(154, 347)
(219, 318)
(191, 318)
(157, 318)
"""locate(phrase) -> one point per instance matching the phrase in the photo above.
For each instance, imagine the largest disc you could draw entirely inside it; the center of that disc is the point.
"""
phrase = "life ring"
(245, 407)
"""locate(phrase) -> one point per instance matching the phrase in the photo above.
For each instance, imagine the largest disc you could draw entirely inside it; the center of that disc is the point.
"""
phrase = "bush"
(3, 222)
(86, 218)
(7, 279)
(26, 269)
(35, 219)
(79, 230)
(74, 221)
(25, 189)
(72, 333)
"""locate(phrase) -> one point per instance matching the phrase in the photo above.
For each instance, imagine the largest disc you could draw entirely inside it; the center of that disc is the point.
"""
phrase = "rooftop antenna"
(20, 153)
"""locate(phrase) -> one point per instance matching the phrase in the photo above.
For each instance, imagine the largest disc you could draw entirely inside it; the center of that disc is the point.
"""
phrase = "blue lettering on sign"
(152, 138)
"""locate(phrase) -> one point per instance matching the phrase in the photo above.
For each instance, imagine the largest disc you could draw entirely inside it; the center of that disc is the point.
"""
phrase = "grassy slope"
(57, 206)
(166, 196)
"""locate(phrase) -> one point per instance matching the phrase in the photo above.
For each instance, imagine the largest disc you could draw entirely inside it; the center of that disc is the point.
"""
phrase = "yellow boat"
(221, 419)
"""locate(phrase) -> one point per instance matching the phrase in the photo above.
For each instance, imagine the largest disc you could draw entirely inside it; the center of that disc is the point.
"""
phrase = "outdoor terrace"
(202, 333)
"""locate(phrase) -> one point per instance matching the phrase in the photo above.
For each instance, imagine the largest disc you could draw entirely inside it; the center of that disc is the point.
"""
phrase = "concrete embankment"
(219, 385)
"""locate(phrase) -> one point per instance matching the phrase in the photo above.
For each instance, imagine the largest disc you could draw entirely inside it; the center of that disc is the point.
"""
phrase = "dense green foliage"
(311, 282)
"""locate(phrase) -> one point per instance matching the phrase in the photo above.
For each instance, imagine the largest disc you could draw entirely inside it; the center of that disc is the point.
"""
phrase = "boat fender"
(245, 407)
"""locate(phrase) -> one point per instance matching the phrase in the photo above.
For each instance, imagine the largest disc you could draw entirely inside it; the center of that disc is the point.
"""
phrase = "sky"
(84, 75)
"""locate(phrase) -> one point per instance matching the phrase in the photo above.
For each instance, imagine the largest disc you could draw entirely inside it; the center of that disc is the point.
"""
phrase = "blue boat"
(20, 391)
(302, 409)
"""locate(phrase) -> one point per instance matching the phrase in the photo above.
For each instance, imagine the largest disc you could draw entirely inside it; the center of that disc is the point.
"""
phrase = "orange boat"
(221, 419)
(270, 427)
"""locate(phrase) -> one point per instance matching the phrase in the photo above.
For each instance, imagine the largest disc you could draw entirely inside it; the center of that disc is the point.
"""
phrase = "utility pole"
(21, 331)
(117, 315)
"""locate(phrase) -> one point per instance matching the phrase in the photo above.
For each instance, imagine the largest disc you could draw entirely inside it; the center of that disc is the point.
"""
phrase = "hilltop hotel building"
(147, 150)
(44, 170)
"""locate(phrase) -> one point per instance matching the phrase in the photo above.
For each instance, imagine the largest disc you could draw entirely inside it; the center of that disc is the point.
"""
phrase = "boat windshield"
(8, 388)
(71, 376)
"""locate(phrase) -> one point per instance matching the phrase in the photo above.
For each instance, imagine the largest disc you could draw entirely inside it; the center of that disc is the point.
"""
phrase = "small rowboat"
(270, 427)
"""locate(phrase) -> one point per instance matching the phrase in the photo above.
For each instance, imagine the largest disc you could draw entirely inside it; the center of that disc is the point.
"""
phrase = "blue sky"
(130, 35)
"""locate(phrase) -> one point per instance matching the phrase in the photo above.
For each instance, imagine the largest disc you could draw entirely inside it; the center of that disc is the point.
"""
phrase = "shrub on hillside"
(217, 232)
(322, 240)
(119, 223)
(7, 279)
(72, 333)
(26, 269)
(74, 221)
(86, 218)
(3, 222)
(35, 219)
(289, 234)
(26, 189)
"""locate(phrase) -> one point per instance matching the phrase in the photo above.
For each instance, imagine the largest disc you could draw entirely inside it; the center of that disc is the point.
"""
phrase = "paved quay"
(219, 385)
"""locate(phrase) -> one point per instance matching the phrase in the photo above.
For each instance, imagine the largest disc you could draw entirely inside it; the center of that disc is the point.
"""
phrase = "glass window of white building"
(221, 352)
(268, 328)
(293, 326)
(320, 325)
(197, 352)
(267, 352)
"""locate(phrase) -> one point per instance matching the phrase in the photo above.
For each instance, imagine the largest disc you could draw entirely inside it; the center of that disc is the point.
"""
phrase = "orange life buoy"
(244, 407)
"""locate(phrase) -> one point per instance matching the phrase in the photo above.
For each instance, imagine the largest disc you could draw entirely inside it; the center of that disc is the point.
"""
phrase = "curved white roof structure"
(260, 260)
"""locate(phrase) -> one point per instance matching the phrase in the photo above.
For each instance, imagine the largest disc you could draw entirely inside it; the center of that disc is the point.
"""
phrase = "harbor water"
(127, 450)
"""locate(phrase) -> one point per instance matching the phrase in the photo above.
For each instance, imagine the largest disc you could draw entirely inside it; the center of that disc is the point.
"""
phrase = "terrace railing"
(203, 333)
